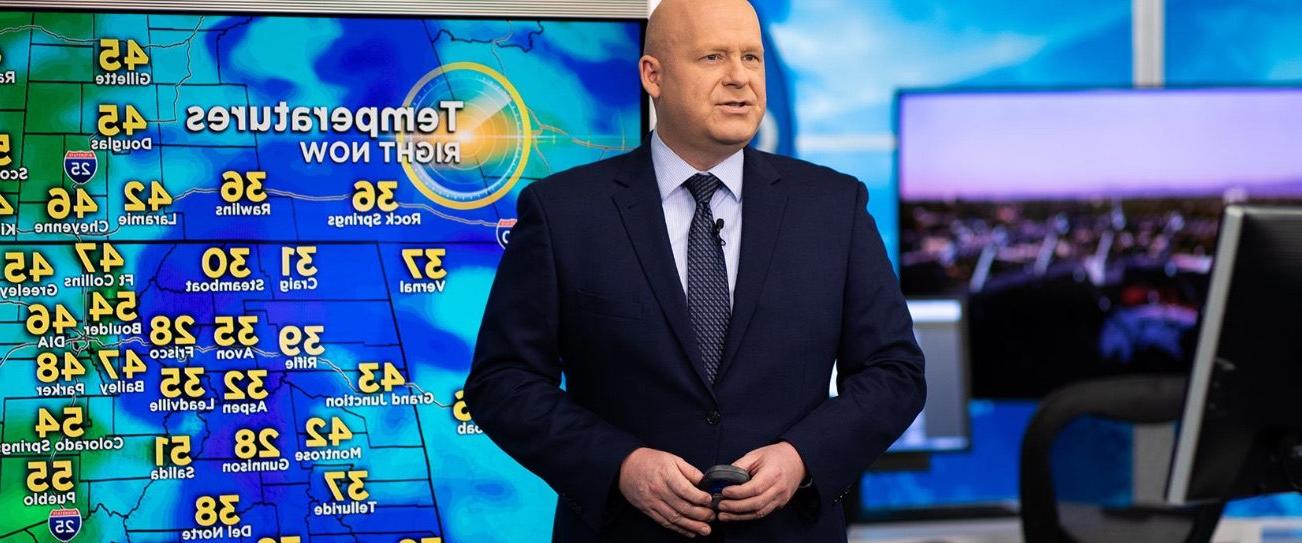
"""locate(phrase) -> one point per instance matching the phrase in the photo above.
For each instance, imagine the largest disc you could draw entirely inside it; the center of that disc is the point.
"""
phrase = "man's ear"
(649, 68)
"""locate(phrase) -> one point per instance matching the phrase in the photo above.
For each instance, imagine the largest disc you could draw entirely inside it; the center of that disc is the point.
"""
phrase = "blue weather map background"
(308, 288)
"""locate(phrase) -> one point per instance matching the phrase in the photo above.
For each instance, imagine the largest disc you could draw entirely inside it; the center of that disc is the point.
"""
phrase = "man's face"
(711, 84)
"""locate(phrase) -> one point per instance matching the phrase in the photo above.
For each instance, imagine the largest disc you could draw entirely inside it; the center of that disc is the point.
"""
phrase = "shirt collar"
(672, 170)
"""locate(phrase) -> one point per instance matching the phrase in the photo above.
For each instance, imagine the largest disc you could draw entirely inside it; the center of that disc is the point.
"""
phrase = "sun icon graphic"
(492, 130)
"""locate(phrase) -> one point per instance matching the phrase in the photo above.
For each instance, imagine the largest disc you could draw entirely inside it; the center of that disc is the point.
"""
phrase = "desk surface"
(1009, 530)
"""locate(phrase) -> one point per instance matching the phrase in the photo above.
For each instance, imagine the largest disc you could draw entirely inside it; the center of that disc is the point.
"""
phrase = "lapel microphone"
(718, 227)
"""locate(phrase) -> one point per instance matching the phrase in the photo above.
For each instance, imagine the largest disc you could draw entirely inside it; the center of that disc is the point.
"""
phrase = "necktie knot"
(702, 187)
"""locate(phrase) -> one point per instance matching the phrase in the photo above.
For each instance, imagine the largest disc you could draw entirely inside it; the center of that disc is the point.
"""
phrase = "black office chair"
(1135, 399)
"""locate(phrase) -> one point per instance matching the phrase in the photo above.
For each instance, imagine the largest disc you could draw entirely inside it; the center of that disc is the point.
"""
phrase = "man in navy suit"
(696, 293)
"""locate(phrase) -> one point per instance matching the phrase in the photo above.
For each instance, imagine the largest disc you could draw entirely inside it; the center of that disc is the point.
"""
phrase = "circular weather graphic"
(492, 131)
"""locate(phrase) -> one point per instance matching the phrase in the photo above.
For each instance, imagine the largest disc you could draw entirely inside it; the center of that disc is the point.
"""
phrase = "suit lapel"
(763, 203)
(643, 216)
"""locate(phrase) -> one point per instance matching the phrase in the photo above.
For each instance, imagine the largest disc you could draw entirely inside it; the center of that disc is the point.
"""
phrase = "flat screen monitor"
(940, 327)
(1081, 224)
(246, 257)
(1241, 434)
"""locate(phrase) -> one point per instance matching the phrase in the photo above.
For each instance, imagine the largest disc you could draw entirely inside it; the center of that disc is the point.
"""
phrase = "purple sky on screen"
(1084, 144)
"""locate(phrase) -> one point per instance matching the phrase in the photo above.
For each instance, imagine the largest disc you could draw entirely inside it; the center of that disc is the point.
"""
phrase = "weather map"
(245, 259)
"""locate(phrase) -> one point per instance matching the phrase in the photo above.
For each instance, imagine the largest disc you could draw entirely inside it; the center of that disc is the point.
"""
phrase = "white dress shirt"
(679, 206)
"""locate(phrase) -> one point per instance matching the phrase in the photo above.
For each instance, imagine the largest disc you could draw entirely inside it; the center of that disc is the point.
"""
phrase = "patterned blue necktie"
(707, 277)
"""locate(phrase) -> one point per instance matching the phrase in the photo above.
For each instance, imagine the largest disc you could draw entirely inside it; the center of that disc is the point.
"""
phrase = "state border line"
(429, 471)
(18, 209)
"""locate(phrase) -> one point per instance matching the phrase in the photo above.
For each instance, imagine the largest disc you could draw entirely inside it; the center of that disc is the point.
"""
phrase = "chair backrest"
(1135, 399)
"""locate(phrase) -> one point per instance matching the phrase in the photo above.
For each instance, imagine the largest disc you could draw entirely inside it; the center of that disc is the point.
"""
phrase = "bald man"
(695, 294)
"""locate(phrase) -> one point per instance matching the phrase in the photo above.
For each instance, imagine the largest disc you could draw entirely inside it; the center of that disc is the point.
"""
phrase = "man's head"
(704, 68)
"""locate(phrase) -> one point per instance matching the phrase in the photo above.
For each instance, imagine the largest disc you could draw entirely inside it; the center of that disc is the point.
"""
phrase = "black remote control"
(720, 477)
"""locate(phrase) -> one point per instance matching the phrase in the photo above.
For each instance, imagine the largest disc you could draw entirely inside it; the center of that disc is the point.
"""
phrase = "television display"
(246, 256)
(1081, 224)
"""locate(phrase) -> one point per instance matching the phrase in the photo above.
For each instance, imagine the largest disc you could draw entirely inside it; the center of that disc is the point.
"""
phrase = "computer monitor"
(1080, 224)
(1241, 431)
(940, 326)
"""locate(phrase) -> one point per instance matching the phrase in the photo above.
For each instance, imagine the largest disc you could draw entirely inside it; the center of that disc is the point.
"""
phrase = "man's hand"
(663, 487)
(775, 473)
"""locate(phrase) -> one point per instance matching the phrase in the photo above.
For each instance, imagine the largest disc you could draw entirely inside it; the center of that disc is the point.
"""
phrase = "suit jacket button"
(712, 418)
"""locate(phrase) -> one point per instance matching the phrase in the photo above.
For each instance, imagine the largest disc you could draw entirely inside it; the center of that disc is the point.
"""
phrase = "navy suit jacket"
(588, 288)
